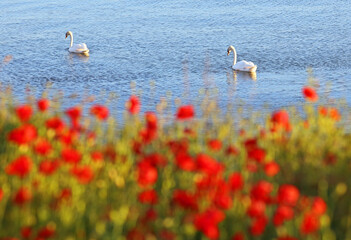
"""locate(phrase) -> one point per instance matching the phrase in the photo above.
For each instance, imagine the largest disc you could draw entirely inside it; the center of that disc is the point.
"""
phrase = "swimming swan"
(242, 65)
(77, 48)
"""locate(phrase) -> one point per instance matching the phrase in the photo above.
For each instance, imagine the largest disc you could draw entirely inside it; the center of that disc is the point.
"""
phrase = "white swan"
(242, 65)
(77, 48)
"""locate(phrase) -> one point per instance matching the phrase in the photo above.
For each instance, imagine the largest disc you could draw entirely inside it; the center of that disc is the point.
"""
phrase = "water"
(177, 49)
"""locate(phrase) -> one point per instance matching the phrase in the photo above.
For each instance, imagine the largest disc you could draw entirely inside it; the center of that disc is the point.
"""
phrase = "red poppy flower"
(330, 159)
(207, 222)
(84, 174)
(215, 144)
(185, 162)
(150, 215)
(208, 165)
(288, 194)
(334, 114)
(151, 120)
(69, 136)
(135, 234)
(97, 156)
(310, 223)
(282, 213)
(133, 105)
(156, 160)
(319, 206)
(1, 194)
(258, 226)
(26, 232)
(20, 167)
(147, 135)
(238, 236)
(261, 191)
(74, 113)
(256, 209)
(22, 196)
(323, 111)
(280, 119)
(310, 94)
(100, 112)
(181, 146)
(287, 238)
(70, 155)
(43, 104)
(147, 174)
(23, 134)
(66, 193)
(257, 154)
(148, 196)
(167, 235)
(185, 112)
(231, 150)
(185, 199)
(24, 112)
(271, 168)
(55, 123)
(236, 181)
(48, 167)
(46, 232)
(42, 147)
(222, 199)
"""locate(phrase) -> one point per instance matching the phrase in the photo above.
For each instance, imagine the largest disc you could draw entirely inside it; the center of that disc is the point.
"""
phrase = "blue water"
(177, 49)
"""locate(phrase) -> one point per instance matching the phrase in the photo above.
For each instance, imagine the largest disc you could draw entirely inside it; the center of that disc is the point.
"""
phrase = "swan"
(242, 65)
(77, 48)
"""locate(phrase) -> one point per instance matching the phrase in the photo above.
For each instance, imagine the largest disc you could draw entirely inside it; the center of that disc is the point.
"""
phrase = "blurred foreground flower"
(310, 94)
(185, 112)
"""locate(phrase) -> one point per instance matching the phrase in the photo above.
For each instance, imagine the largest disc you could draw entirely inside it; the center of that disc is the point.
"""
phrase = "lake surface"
(177, 49)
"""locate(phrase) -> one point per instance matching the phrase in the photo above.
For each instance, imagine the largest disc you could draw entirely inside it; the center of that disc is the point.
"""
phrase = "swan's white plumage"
(243, 65)
(77, 48)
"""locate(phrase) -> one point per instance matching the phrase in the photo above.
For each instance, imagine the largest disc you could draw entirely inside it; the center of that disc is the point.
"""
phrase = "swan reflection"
(72, 57)
(244, 75)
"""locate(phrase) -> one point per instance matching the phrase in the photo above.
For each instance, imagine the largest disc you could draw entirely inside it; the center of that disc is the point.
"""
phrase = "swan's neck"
(234, 52)
(71, 36)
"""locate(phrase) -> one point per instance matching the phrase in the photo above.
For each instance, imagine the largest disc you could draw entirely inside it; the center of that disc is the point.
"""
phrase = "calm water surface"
(178, 48)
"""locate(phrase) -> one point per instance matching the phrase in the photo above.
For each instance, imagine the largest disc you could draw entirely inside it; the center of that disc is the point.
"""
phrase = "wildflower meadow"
(76, 173)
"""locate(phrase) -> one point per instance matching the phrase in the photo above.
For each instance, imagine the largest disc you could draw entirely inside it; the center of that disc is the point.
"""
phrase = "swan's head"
(69, 33)
(229, 50)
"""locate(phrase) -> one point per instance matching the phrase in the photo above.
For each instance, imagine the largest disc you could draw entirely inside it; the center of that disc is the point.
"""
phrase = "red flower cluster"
(330, 112)
(212, 190)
